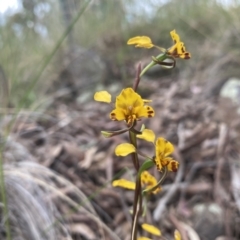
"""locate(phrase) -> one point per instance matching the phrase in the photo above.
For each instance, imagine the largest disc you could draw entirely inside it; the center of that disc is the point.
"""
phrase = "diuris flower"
(129, 106)
(178, 50)
(163, 149)
(149, 181)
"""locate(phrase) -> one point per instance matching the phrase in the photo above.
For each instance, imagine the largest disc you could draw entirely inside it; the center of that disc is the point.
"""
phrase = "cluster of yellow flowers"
(178, 50)
(131, 107)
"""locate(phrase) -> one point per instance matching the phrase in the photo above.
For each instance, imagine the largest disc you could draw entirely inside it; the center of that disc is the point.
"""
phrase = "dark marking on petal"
(113, 116)
(186, 55)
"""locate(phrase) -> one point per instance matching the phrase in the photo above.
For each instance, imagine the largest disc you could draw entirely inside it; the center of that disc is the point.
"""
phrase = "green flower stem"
(160, 57)
(137, 204)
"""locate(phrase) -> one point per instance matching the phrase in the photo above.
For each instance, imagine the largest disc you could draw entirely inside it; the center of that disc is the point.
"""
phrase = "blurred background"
(95, 51)
(56, 53)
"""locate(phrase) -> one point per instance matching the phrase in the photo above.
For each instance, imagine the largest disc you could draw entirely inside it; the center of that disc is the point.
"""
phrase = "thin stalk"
(3, 196)
(160, 57)
(137, 204)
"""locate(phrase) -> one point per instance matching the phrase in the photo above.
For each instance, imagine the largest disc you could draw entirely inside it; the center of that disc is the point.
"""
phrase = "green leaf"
(145, 166)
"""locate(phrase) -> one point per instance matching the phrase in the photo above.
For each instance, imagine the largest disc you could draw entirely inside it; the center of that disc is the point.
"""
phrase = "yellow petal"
(158, 162)
(162, 151)
(124, 184)
(141, 41)
(175, 36)
(145, 176)
(129, 98)
(168, 148)
(181, 48)
(178, 49)
(102, 96)
(164, 147)
(143, 238)
(181, 51)
(173, 50)
(177, 235)
(124, 149)
(118, 114)
(147, 135)
(145, 111)
(160, 146)
(149, 181)
(147, 100)
(151, 229)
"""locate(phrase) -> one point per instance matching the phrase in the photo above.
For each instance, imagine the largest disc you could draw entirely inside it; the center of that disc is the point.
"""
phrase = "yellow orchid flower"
(129, 106)
(178, 50)
(147, 180)
(163, 149)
